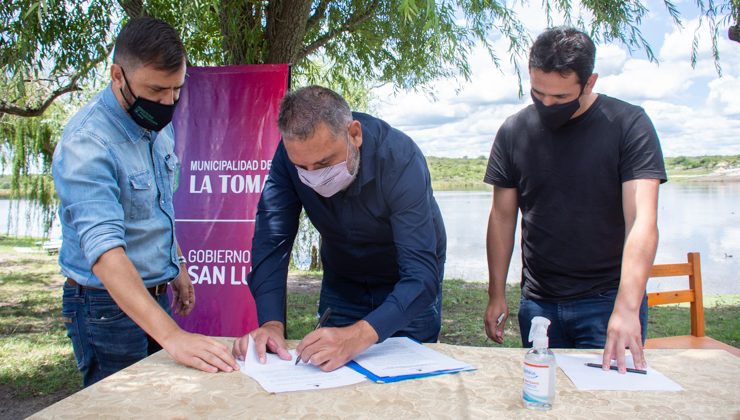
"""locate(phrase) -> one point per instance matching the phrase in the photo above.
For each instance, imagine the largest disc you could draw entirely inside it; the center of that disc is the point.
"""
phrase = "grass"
(721, 316)
(463, 306)
(37, 356)
(38, 361)
(464, 303)
(302, 308)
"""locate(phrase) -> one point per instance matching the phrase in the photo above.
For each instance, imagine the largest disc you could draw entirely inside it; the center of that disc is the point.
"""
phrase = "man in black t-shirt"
(584, 171)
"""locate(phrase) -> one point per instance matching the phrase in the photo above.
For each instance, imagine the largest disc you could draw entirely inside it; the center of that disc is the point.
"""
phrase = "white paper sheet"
(398, 356)
(279, 375)
(587, 378)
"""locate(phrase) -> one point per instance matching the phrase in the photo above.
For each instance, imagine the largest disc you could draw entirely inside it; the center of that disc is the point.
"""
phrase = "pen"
(321, 322)
(598, 365)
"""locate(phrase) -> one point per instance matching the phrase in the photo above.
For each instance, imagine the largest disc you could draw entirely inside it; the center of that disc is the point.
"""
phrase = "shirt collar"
(133, 131)
(367, 161)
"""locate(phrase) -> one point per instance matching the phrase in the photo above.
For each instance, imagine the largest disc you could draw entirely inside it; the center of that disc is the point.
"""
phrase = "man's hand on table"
(200, 352)
(624, 331)
(268, 337)
(332, 348)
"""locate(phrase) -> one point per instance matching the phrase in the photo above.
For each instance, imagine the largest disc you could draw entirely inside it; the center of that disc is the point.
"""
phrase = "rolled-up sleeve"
(412, 221)
(84, 174)
(275, 229)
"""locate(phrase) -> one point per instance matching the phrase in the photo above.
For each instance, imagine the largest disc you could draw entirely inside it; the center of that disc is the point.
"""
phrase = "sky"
(695, 111)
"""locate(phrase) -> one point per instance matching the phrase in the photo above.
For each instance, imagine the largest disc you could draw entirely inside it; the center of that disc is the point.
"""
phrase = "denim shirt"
(115, 182)
(383, 240)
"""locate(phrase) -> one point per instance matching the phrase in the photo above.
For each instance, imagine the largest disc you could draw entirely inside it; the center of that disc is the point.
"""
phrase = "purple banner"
(226, 134)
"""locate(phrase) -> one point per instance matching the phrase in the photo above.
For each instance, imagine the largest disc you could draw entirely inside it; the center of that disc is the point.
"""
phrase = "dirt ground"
(15, 408)
(12, 408)
(303, 283)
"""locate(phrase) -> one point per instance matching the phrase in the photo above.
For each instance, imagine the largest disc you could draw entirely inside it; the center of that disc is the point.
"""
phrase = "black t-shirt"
(569, 186)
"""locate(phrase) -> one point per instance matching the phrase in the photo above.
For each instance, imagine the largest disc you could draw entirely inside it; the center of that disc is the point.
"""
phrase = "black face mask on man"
(555, 116)
(148, 114)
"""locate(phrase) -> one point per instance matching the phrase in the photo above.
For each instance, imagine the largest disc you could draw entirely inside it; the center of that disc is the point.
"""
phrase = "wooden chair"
(697, 339)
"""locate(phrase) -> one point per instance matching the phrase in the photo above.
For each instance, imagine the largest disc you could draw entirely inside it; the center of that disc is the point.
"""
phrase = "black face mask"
(555, 116)
(148, 114)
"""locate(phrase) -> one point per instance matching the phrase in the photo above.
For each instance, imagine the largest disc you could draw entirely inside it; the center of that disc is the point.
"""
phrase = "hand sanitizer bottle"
(539, 368)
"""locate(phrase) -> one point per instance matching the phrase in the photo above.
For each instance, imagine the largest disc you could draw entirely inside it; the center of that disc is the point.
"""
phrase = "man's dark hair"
(145, 41)
(564, 50)
(303, 110)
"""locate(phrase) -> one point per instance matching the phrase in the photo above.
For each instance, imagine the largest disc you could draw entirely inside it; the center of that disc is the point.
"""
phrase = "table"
(157, 387)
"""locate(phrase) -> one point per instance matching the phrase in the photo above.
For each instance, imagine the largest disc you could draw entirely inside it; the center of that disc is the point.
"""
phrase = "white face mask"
(332, 179)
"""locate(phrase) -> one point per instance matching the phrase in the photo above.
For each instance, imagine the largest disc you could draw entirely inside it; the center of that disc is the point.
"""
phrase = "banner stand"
(225, 136)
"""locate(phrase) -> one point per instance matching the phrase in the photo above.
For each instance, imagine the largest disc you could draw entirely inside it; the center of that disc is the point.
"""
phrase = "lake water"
(703, 217)
(20, 218)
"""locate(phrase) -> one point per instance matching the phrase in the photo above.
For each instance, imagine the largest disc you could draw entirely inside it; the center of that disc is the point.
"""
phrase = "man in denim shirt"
(114, 170)
(366, 187)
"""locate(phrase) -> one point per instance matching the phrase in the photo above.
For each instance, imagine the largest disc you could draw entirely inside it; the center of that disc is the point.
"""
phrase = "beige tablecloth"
(157, 387)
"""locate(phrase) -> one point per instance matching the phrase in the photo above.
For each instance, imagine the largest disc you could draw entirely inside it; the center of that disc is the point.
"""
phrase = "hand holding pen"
(319, 324)
(495, 319)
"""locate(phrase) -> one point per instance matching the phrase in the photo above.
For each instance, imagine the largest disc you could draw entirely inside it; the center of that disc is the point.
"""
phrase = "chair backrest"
(693, 294)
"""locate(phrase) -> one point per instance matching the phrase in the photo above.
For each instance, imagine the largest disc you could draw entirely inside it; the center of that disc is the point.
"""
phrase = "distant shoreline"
(719, 175)
(466, 174)
(730, 176)
(714, 177)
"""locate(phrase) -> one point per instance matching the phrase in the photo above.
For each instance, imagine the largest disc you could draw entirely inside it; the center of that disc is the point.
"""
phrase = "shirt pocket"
(173, 170)
(141, 195)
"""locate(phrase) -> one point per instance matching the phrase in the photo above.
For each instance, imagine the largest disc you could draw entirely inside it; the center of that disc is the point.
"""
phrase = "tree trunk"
(133, 8)
(734, 31)
(286, 29)
(241, 27)
(316, 258)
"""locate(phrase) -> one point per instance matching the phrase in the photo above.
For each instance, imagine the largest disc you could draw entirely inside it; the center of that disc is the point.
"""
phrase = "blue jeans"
(105, 340)
(424, 328)
(579, 323)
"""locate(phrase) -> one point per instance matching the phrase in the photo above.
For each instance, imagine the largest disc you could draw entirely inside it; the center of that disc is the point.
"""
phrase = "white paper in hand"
(279, 375)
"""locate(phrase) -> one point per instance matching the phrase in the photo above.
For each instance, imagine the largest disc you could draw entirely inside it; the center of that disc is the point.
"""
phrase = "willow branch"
(71, 86)
(13, 109)
(317, 15)
(352, 23)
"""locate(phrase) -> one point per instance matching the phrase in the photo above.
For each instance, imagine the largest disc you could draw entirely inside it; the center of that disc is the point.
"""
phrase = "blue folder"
(388, 379)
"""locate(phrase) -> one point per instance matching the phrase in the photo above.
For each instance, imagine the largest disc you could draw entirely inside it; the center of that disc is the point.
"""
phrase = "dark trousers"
(579, 323)
(105, 340)
(423, 328)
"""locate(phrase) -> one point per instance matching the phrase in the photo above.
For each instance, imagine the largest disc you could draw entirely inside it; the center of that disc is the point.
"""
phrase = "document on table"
(587, 378)
(279, 375)
(399, 358)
